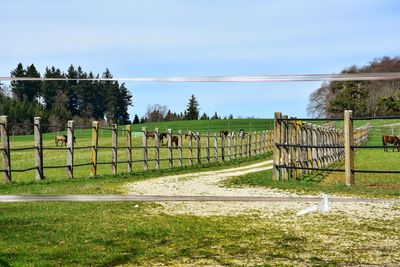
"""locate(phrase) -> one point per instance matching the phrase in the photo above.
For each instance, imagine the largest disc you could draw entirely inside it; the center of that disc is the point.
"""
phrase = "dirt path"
(209, 184)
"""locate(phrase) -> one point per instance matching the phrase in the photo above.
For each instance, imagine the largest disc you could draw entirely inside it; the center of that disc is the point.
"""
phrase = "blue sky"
(201, 38)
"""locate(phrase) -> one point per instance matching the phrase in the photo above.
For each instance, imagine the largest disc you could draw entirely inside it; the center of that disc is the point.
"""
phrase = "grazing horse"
(174, 140)
(223, 133)
(241, 133)
(62, 139)
(161, 137)
(387, 139)
(150, 134)
(192, 136)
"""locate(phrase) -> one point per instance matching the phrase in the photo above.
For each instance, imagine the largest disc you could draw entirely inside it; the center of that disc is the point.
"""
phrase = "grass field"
(141, 234)
(136, 234)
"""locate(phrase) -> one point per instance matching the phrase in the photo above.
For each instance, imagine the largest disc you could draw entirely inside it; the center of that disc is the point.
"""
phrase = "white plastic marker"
(323, 206)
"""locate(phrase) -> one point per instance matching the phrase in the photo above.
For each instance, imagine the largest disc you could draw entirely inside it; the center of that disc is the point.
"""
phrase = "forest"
(61, 100)
(365, 98)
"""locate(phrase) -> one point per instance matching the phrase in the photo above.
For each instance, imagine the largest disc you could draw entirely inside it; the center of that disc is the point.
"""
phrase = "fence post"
(241, 147)
(5, 146)
(348, 143)
(215, 147)
(95, 144)
(170, 160)
(157, 150)
(235, 145)
(114, 144)
(277, 149)
(284, 153)
(229, 146)
(129, 146)
(180, 148)
(208, 147)
(223, 148)
(144, 143)
(198, 143)
(38, 149)
(70, 149)
(190, 148)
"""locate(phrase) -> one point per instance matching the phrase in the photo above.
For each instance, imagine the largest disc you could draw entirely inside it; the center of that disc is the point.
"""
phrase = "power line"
(258, 78)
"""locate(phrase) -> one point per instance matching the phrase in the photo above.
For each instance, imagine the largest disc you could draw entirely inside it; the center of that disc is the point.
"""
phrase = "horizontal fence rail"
(158, 149)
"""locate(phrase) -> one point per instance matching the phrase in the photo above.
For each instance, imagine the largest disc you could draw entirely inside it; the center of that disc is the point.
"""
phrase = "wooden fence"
(201, 148)
(302, 147)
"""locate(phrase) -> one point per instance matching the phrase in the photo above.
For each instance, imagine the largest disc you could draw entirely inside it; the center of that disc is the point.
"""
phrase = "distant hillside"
(365, 98)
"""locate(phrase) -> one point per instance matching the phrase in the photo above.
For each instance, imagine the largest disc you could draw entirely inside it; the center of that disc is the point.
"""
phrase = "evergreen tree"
(193, 110)
(72, 90)
(204, 117)
(32, 88)
(215, 116)
(136, 119)
(52, 91)
(18, 87)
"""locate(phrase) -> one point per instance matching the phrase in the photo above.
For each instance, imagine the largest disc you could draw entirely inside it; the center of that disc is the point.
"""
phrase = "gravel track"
(209, 184)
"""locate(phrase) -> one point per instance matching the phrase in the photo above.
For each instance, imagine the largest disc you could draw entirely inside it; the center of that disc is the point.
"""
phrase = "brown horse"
(174, 140)
(150, 134)
(223, 133)
(192, 136)
(387, 139)
(62, 139)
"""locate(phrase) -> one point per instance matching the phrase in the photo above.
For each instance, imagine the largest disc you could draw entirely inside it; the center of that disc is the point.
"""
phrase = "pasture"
(22, 159)
(142, 234)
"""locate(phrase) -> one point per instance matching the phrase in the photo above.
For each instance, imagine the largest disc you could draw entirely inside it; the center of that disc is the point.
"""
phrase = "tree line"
(365, 98)
(58, 101)
(158, 113)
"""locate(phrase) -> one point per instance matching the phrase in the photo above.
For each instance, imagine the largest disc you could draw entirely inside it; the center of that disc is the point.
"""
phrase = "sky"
(202, 38)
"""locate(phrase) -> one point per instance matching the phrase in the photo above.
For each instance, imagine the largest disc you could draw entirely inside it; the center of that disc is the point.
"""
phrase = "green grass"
(132, 234)
(204, 126)
(111, 184)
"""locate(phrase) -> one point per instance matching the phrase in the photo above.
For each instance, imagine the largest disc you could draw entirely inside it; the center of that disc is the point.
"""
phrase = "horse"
(241, 133)
(174, 140)
(192, 136)
(223, 133)
(387, 139)
(62, 139)
(161, 137)
(150, 134)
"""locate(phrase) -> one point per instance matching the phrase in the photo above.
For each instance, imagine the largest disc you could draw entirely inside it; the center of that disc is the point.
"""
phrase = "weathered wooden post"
(235, 145)
(208, 147)
(157, 148)
(241, 147)
(348, 150)
(95, 145)
(170, 159)
(277, 148)
(145, 152)
(114, 145)
(5, 146)
(190, 144)
(128, 130)
(38, 148)
(198, 144)
(229, 147)
(70, 149)
(262, 148)
(284, 141)
(215, 147)
(180, 148)
(223, 148)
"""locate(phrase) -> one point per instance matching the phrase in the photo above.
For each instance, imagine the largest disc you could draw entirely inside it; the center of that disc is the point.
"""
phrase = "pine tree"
(136, 119)
(193, 110)
(18, 87)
